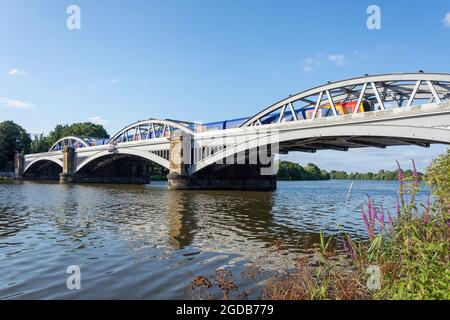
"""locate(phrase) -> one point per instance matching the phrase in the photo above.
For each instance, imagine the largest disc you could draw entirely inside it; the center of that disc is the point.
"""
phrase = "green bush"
(438, 177)
(413, 249)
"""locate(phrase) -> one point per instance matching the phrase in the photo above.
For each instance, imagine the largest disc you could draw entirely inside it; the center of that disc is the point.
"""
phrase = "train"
(219, 125)
(342, 108)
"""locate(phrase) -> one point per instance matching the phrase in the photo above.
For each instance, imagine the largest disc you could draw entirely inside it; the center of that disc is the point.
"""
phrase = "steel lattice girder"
(402, 88)
(69, 142)
(151, 129)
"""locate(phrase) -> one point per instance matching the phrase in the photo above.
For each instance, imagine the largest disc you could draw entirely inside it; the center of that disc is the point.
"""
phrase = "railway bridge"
(371, 111)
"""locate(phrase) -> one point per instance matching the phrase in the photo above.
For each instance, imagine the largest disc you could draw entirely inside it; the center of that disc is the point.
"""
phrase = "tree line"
(380, 175)
(290, 171)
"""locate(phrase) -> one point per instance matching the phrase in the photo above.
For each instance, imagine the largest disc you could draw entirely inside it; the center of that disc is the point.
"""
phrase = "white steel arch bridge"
(369, 111)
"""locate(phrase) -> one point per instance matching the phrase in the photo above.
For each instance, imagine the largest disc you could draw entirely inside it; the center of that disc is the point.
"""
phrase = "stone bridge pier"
(218, 176)
(67, 174)
(18, 165)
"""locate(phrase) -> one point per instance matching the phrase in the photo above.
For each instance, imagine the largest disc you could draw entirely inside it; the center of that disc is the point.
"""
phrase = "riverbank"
(406, 255)
(7, 176)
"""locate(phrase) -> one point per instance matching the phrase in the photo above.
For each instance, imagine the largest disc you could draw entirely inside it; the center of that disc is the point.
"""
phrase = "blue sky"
(204, 60)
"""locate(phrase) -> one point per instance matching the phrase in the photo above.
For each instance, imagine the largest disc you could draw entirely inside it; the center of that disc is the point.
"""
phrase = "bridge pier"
(66, 176)
(233, 177)
(18, 165)
(246, 177)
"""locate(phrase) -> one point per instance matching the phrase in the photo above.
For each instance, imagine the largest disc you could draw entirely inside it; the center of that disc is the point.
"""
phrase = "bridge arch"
(43, 159)
(43, 168)
(69, 141)
(150, 156)
(150, 129)
(121, 166)
(362, 94)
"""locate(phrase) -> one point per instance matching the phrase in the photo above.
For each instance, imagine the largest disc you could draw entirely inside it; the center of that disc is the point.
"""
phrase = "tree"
(289, 171)
(311, 167)
(82, 130)
(13, 138)
(325, 175)
(438, 177)
(57, 133)
(39, 144)
(157, 172)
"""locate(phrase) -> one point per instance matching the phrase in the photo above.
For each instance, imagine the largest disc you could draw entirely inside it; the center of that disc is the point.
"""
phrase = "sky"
(200, 60)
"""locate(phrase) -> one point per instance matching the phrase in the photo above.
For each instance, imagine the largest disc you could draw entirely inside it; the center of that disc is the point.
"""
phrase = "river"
(146, 242)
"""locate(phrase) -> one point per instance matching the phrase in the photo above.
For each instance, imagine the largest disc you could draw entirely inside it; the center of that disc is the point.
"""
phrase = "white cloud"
(98, 120)
(17, 104)
(17, 72)
(337, 58)
(311, 63)
(447, 20)
(114, 81)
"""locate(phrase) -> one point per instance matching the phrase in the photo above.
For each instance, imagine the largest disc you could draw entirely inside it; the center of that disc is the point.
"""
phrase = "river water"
(145, 242)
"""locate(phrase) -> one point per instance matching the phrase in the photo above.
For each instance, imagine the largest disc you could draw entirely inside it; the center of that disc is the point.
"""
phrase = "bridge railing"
(219, 125)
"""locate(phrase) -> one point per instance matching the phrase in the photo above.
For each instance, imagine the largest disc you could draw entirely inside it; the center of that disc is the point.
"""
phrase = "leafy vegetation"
(40, 143)
(157, 172)
(13, 138)
(289, 171)
(381, 175)
(438, 177)
(85, 130)
(82, 130)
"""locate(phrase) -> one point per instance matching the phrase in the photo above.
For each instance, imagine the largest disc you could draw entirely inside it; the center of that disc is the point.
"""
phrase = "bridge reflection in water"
(229, 216)
(243, 225)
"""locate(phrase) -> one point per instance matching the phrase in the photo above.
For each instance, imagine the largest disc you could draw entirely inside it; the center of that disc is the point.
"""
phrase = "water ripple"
(144, 242)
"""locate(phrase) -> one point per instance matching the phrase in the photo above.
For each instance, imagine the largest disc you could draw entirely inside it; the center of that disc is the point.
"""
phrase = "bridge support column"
(66, 176)
(215, 177)
(245, 177)
(179, 158)
(18, 165)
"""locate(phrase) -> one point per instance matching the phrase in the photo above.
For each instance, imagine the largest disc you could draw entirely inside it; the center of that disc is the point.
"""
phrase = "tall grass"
(412, 249)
